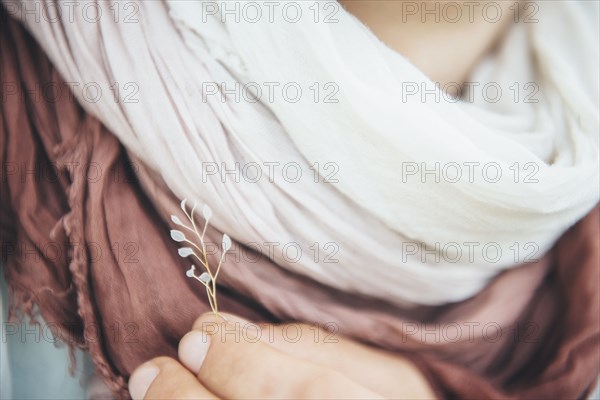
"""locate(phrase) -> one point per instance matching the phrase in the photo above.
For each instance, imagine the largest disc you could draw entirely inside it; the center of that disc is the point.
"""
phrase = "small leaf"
(190, 272)
(185, 251)
(182, 204)
(204, 277)
(226, 243)
(176, 220)
(206, 212)
(177, 236)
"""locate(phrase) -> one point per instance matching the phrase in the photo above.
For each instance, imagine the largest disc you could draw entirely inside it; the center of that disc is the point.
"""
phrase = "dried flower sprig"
(208, 278)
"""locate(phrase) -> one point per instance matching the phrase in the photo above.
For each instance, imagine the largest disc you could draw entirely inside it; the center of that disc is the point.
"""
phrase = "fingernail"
(141, 379)
(192, 350)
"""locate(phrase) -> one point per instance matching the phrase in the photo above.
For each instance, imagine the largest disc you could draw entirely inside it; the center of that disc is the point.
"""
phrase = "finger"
(332, 350)
(384, 372)
(207, 318)
(165, 378)
(242, 366)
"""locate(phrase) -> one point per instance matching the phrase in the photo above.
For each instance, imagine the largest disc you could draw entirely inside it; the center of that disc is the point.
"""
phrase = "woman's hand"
(239, 359)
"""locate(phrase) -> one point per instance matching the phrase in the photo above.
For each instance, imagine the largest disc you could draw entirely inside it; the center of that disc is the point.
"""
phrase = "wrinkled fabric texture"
(369, 136)
(85, 238)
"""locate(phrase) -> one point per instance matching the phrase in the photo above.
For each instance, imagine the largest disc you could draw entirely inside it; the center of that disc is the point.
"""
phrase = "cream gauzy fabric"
(511, 175)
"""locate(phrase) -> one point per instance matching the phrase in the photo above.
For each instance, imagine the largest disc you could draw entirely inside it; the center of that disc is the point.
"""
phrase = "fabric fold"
(195, 121)
(85, 239)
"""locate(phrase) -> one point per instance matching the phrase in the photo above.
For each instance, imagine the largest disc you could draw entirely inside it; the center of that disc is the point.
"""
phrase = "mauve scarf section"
(86, 240)
(370, 134)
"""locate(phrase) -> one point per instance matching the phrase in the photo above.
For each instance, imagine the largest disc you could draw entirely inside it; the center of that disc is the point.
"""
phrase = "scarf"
(514, 175)
(88, 250)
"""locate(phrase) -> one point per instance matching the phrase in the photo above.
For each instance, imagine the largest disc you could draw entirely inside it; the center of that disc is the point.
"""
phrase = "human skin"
(237, 359)
(446, 50)
(445, 44)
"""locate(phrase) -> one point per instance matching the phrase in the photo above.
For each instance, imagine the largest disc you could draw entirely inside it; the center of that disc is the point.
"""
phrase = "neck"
(444, 39)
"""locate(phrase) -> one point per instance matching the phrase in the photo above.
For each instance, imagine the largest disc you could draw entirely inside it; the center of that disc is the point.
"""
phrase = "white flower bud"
(177, 236)
(204, 277)
(226, 243)
(206, 212)
(185, 251)
(190, 272)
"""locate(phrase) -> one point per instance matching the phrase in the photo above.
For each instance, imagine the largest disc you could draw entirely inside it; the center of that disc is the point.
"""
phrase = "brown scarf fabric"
(84, 233)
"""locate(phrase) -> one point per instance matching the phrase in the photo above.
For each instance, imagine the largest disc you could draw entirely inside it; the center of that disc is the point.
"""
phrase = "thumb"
(165, 378)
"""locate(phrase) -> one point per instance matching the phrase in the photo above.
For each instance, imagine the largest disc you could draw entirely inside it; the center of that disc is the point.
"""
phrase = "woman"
(456, 206)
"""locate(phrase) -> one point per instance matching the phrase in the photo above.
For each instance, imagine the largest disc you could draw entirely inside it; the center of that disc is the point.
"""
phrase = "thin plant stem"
(202, 256)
